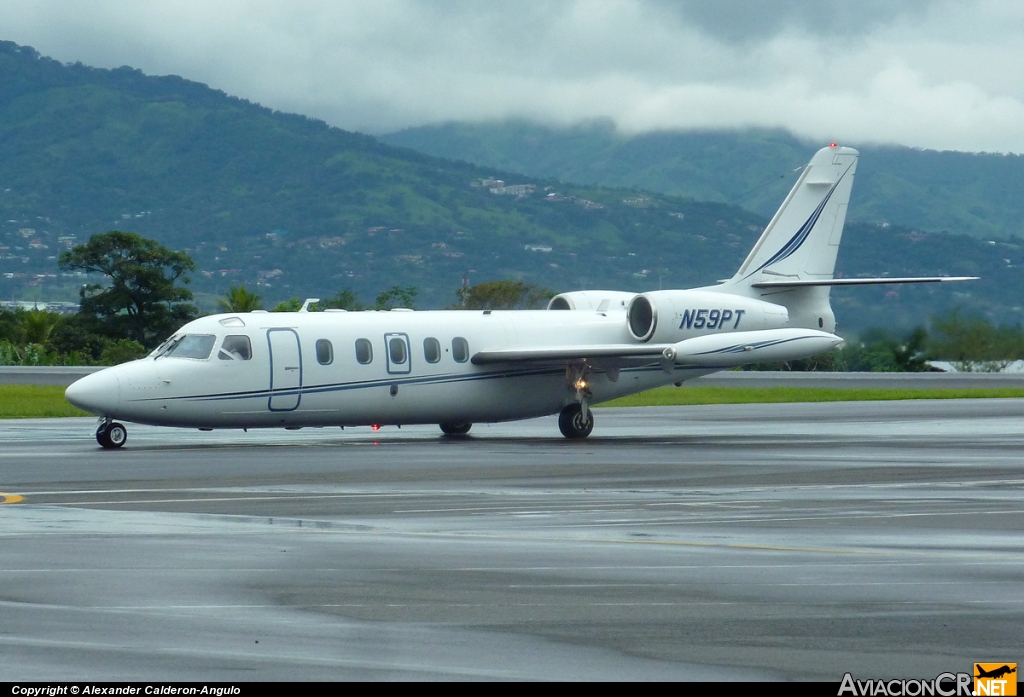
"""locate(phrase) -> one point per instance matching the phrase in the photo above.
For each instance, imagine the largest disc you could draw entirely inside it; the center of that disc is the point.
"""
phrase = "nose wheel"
(576, 421)
(111, 435)
(455, 429)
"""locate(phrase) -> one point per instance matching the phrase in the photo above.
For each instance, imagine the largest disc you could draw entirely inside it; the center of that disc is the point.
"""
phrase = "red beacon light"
(375, 427)
(832, 145)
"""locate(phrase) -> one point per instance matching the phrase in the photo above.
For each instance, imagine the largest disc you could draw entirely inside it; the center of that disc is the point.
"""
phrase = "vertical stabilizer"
(802, 239)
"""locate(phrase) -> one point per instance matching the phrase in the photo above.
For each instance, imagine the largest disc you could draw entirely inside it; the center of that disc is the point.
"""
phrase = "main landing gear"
(576, 421)
(111, 434)
(455, 429)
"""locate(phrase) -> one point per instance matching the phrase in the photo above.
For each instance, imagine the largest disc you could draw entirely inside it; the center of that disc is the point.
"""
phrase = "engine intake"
(669, 316)
(642, 318)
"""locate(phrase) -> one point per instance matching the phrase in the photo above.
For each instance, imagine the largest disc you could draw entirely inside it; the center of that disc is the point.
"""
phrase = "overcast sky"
(929, 73)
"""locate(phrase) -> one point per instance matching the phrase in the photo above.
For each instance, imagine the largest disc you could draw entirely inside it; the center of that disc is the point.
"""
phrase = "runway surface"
(794, 541)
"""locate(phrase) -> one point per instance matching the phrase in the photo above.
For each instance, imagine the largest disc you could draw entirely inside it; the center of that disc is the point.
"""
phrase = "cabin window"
(198, 346)
(364, 351)
(235, 347)
(460, 349)
(397, 348)
(324, 352)
(432, 350)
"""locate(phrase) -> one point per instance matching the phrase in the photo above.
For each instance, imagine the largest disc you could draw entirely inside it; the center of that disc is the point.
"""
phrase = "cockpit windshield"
(162, 348)
(197, 346)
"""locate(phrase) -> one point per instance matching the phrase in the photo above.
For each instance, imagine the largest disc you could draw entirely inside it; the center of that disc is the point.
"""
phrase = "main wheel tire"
(112, 435)
(455, 429)
(572, 424)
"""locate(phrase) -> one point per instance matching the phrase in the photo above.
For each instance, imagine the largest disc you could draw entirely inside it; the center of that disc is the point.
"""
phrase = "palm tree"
(240, 300)
(37, 325)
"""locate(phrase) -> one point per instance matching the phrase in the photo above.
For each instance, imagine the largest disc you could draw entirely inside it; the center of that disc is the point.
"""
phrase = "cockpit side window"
(235, 347)
(196, 346)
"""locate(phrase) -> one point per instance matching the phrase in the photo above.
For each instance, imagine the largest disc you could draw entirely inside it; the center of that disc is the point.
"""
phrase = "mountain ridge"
(949, 191)
(290, 206)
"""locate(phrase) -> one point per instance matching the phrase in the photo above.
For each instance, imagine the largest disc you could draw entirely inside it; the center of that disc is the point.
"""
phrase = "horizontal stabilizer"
(797, 283)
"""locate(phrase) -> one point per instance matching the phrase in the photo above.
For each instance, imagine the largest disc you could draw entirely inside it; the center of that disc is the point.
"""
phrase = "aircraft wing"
(710, 351)
(549, 354)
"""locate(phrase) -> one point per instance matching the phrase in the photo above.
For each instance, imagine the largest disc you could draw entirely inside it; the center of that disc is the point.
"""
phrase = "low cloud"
(926, 73)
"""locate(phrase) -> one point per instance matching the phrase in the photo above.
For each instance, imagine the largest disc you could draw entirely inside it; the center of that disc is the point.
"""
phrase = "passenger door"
(285, 369)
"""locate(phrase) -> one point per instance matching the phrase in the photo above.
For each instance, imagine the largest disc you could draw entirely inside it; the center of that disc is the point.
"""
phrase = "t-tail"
(794, 260)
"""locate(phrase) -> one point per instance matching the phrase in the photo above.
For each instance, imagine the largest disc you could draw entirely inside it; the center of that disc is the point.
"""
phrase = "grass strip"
(671, 396)
(35, 402)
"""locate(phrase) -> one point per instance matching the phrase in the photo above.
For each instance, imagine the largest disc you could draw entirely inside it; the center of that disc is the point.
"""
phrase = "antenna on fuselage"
(305, 305)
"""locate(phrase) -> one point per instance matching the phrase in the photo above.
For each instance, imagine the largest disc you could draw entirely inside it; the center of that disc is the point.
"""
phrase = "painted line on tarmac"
(10, 498)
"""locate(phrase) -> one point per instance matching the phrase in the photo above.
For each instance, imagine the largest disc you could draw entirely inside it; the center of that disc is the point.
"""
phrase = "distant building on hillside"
(60, 306)
(514, 190)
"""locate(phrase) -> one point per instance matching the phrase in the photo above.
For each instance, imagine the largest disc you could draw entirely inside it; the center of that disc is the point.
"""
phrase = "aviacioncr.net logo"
(995, 679)
(943, 685)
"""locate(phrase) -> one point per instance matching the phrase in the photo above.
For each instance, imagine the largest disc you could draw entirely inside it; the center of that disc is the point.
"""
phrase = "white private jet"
(454, 368)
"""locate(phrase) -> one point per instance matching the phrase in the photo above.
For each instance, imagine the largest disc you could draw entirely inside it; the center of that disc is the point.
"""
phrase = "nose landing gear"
(111, 434)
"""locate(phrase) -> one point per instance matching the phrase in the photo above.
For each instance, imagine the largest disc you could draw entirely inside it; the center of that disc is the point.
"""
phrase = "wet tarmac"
(725, 542)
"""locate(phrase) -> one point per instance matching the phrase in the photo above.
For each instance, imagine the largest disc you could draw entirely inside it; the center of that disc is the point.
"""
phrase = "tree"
(11, 328)
(909, 356)
(502, 295)
(343, 300)
(78, 335)
(289, 305)
(121, 351)
(971, 342)
(140, 301)
(879, 351)
(240, 300)
(37, 325)
(396, 296)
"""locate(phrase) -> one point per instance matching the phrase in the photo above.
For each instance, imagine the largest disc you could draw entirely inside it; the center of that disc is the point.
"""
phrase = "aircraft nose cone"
(99, 393)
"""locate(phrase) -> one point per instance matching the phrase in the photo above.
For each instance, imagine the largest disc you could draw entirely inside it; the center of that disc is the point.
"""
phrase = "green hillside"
(292, 207)
(258, 196)
(970, 193)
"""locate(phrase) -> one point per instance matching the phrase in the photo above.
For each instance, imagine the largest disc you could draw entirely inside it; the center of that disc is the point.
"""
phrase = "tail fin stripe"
(801, 235)
(796, 254)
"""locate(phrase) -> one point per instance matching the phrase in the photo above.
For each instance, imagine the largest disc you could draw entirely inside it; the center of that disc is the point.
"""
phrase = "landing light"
(581, 384)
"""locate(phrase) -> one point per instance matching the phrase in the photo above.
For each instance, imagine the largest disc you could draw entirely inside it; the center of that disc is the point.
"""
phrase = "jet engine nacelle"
(597, 300)
(669, 316)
